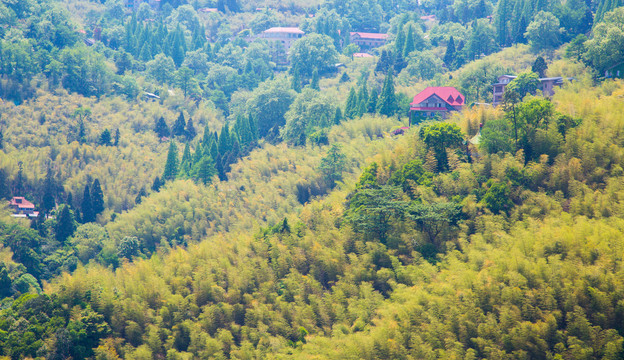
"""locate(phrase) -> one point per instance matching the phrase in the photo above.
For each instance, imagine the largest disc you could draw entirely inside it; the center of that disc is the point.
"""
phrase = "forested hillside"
(201, 190)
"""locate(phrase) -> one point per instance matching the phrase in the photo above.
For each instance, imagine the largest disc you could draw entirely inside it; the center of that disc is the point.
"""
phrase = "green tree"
(387, 104)
(314, 83)
(171, 166)
(160, 128)
(372, 211)
(332, 165)
(539, 67)
(268, 104)
(606, 46)
(183, 78)
(433, 219)
(351, 107)
(162, 68)
(97, 197)
(544, 31)
(204, 170)
(105, 138)
(311, 52)
(439, 137)
(88, 215)
(65, 225)
(179, 126)
(449, 56)
(496, 198)
(576, 48)
(190, 131)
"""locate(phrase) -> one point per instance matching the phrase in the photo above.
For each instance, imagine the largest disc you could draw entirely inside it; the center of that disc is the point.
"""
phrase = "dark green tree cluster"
(362, 102)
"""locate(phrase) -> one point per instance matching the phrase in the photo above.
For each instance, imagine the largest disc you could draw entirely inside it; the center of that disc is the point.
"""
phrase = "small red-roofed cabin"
(435, 102)
(20, 205)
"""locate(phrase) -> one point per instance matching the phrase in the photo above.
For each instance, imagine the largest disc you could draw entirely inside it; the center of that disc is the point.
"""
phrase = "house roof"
(373, 36)
(447, 93)
(362, 55)
(21, 203)
(287, 30)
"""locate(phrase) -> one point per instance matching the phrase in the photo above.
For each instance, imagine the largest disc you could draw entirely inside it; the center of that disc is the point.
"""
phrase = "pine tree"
(383, 62)
(160, 128)
(105, 138)
(362, 100)
(82, 136)
(156, 184)
(399, 43)
(253, 129)
(190, 130)
(97, 197)
(117, 135)
(171, 166)
(179, 127)
(296, 79)
(449, 56)
(225, 142)
(314, 84)
(387, 104)
(146, 53)
(204, 170)
(142, 193)
(185, 164)
(87, 206)
(371, 107)
(64, 227)
(410, 44)
(177, 47)
(338, 116)
(351, 107)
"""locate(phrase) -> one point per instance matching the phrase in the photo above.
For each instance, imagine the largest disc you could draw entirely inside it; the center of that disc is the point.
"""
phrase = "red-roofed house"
(436, 102)
(21, 206)
(367, 41)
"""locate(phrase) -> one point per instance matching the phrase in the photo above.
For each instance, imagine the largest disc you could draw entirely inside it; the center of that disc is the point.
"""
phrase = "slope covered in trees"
(202, 194)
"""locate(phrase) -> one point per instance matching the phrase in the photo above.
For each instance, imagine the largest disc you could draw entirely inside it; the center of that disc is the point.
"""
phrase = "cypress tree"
(190, 130)
(171, 166)
(449, 56)
(185, 165)
(82, 136)
(156, 184)
(387, 104)
(253, 129)
(338, 115)
(146, 53)
(204, 170)
(64, 226)
(177, 49)
(117, 135)
(399, 43)
(371, 107)
(225, 142)
(97, 198)
(160, 128)
(296, 79)
(179, 127)
(105, 138)
(362, 100)
(87, 206)
(351, 107)
(410, 44)
(314, 84)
